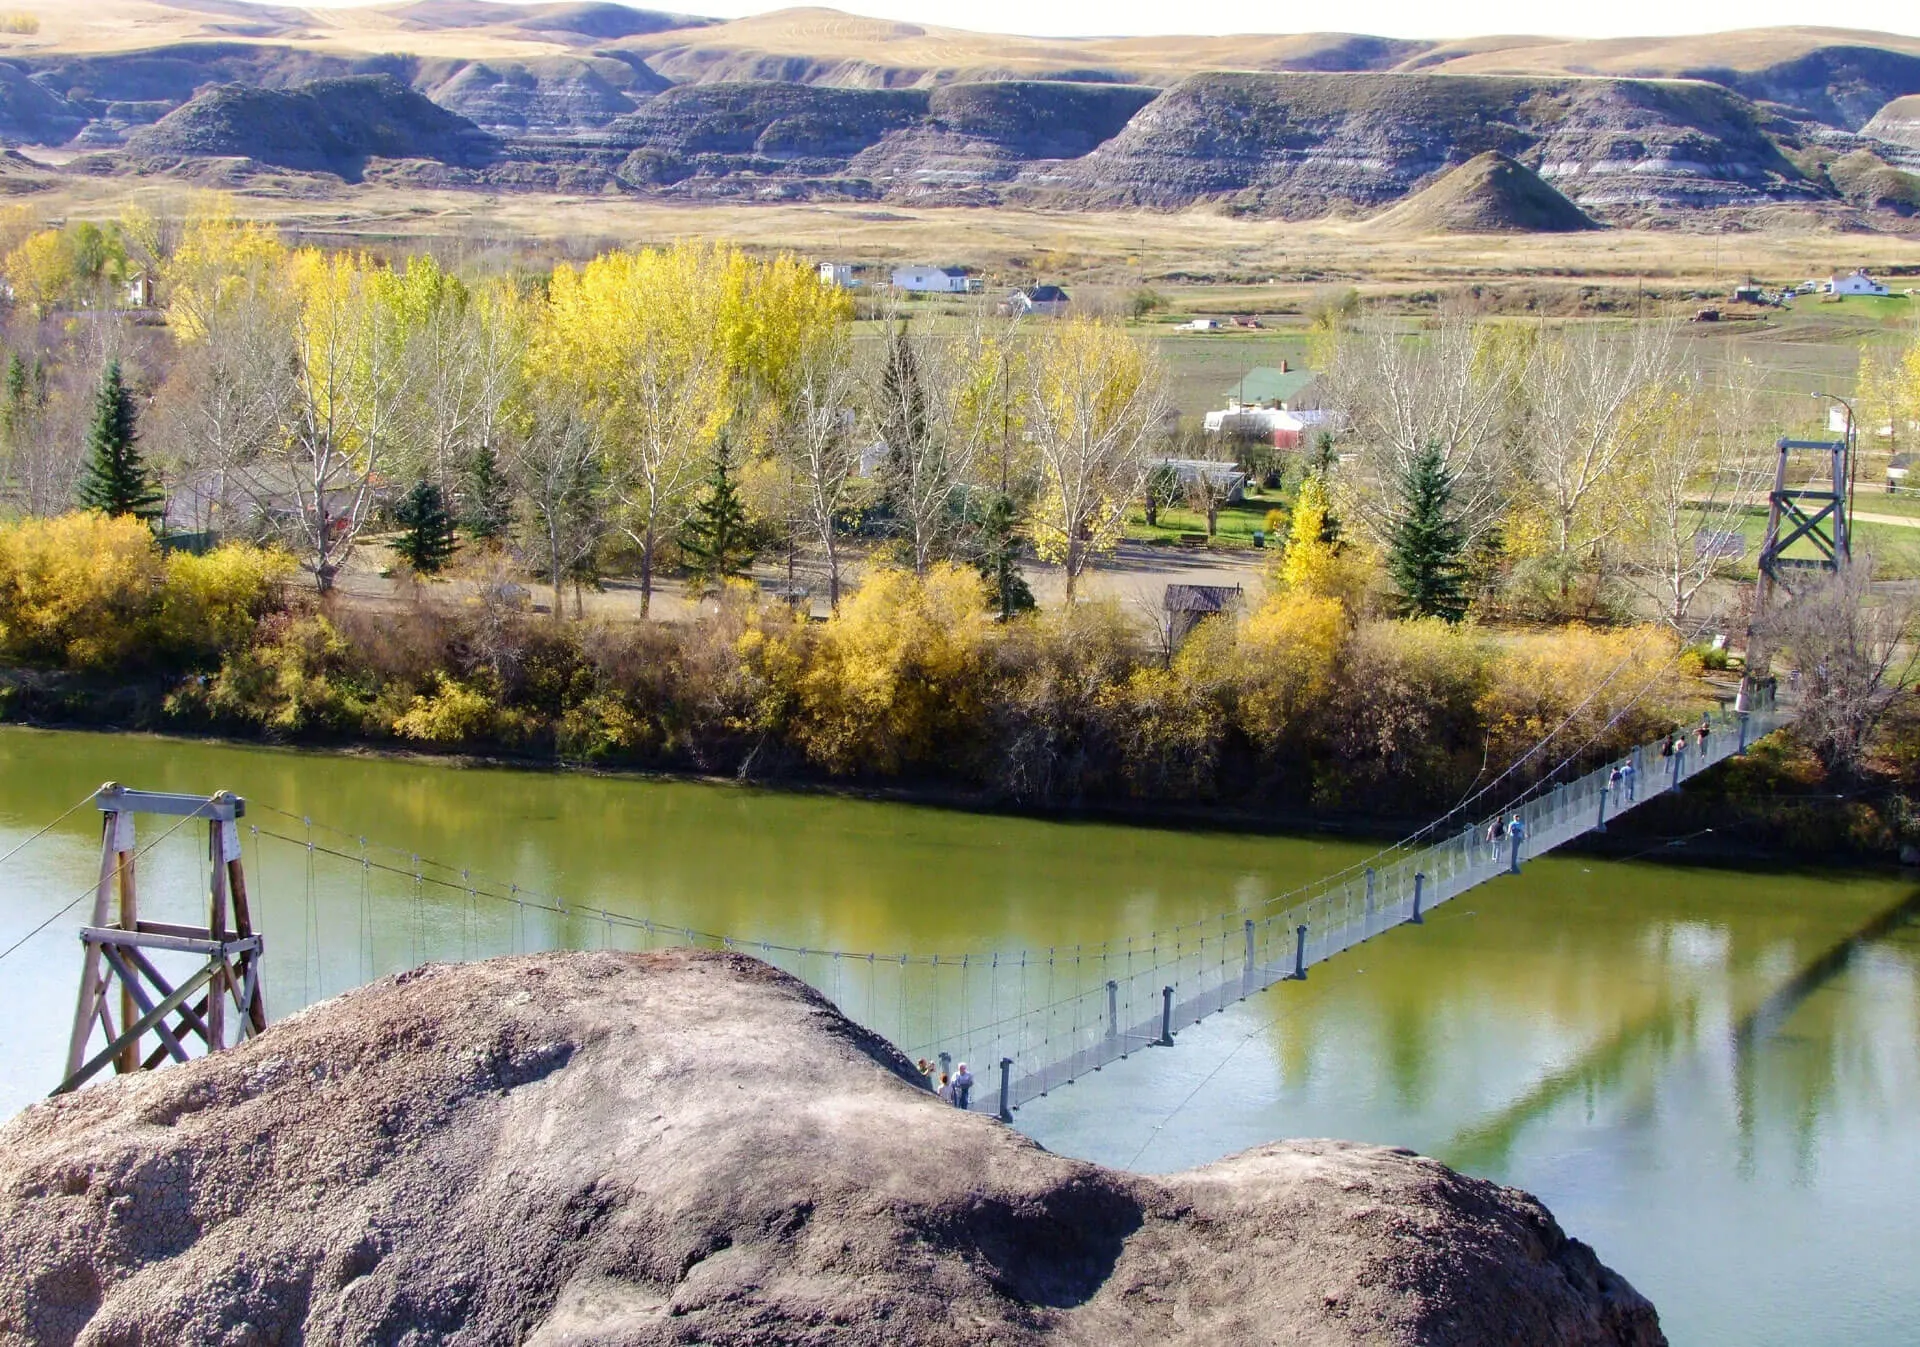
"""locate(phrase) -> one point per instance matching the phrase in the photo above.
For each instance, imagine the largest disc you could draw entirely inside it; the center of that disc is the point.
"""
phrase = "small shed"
(1187, 606)
(1049, 301)
(838, 275)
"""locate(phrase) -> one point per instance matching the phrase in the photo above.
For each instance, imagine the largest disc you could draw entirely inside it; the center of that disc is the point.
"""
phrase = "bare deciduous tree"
(555, 463)
(1849, 642)
(824, 449)
(1593, 396)
(1095, 411)
(1456, 388)
(1703, 461)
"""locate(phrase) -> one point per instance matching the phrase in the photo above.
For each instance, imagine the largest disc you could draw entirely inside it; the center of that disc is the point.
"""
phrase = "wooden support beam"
(190, 1016)
(131, 983)
(114, 798)
(229, 948)
(91, 1067)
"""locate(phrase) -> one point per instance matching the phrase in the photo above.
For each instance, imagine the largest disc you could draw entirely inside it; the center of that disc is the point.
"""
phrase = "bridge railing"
(1126, 1001)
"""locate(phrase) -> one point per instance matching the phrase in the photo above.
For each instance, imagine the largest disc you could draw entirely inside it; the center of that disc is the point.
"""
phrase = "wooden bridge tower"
(1819, 514)
(117, 953)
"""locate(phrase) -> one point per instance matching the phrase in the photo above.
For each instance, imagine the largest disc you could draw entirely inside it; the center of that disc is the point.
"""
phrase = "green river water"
(1710, 1075)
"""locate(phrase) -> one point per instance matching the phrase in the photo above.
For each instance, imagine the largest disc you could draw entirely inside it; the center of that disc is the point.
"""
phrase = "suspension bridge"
(1033, 1019)
(1030, 1020)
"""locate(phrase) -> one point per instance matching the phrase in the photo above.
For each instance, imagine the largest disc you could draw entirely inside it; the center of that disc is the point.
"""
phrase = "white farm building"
(934, 281)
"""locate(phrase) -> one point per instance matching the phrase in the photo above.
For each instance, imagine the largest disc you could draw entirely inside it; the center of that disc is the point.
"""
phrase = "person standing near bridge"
(1626, 778)
(1516, 833)
(962, 1086)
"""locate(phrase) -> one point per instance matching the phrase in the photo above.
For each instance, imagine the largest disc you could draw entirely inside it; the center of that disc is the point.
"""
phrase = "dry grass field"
(1236, 264)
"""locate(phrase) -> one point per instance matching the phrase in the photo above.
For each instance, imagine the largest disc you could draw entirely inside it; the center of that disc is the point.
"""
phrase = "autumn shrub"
(211, 604)
(452, 713)
(1169, 724)
(1610, 687)
(297, 677)
(1289, 650)
(88, 592)
(1402, 714)
(896, 678)
(1050, 736)
(78, 591)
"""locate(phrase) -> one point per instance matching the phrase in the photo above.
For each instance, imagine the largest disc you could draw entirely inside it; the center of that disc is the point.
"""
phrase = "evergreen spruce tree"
(999, 561)
(116, 481)
(1424, 553)
(716, 537)
(426, 540)
(18, 406)
(489, 497)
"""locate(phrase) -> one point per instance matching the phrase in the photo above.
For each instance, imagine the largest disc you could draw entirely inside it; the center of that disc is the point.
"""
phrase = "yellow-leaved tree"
(1094, 411)
(220, 263)
(637, 339)
(40, 271)
(898, 672)
(338, 421)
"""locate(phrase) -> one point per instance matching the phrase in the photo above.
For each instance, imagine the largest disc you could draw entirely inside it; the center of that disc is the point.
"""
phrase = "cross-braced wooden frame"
(117, 953)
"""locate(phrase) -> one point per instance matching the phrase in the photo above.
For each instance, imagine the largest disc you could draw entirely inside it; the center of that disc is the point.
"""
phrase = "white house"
(1200, 325)
(1859, 283)
(934, 281)
(838, 275)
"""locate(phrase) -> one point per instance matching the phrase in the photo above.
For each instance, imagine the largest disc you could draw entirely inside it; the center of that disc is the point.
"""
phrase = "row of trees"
(692, 401)
(1579, 455)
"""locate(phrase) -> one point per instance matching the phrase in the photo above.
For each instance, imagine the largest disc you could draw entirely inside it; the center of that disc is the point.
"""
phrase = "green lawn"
(1237, 522)
(1894, 547)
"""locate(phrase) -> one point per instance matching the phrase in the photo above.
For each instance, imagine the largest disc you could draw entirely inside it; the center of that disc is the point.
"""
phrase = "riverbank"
(1766, 808)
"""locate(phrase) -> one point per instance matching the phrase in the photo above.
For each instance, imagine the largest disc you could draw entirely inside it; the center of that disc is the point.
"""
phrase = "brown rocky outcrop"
(680, 1147)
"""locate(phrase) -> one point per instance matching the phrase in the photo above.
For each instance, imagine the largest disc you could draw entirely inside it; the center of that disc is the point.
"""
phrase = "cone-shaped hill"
(1489, 194)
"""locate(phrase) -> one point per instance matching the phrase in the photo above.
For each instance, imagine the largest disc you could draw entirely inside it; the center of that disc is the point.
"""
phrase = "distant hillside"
(1489, 194)
(1300, 145)
(1898, 123)
(583, 95)
(327, 126)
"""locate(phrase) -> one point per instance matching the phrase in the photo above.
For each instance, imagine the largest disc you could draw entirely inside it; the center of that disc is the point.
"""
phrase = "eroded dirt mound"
(694, 1148)
(1489, 194)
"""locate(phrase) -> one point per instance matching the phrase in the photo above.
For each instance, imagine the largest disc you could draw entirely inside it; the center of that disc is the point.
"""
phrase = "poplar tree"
(1425, 550)
(117, 481)
(426, 541)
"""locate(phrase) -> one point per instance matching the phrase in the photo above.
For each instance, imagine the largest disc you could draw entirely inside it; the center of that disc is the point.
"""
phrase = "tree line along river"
(1710, 1075)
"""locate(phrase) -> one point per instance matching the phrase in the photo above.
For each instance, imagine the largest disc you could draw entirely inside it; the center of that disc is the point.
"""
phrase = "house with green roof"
(1278, 387)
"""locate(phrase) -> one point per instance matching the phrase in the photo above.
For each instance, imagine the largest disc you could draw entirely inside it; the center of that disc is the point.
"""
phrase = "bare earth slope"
(693, 1148)
(1489, 194)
